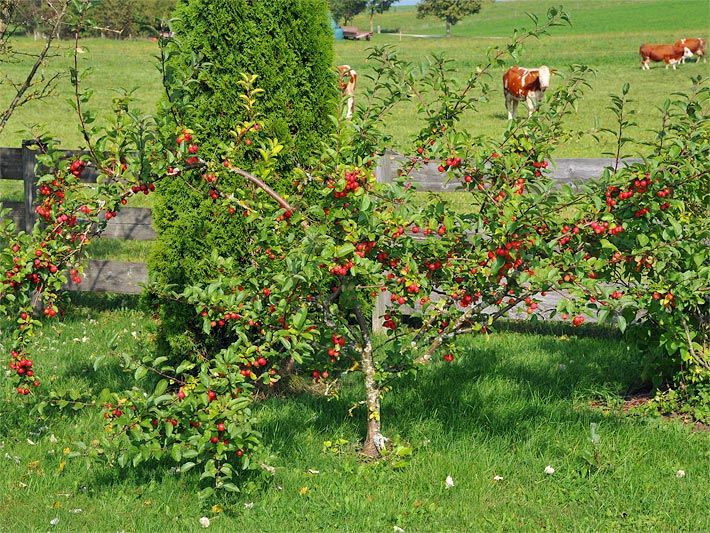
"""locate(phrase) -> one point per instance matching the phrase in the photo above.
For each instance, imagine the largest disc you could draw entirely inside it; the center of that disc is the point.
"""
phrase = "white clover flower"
(549, 470)
(53, 522)
(205, 522)
(249, 505)
(497, 478)
(449, 482)
(680, 473)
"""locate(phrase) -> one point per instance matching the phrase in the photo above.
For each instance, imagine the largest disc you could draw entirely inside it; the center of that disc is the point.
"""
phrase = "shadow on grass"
(487, 392)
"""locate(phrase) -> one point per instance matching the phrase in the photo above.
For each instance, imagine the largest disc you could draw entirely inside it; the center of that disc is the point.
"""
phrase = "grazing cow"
(668, 53)
(697, 46)
(348, 83)
(525, 84)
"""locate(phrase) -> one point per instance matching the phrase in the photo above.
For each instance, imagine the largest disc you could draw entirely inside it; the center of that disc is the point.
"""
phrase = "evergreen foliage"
(288, 44)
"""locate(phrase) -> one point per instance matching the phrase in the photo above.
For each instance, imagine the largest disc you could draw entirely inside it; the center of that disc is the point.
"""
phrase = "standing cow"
(670, 54)
(696, 46)
(525, 84)
(348, 83)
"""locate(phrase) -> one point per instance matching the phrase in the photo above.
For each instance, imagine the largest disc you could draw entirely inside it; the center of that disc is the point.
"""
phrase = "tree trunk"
(372, 23)
(375, 441)
(448, 28)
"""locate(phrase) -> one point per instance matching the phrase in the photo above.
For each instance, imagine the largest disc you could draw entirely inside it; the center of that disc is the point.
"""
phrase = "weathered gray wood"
(546, 306)
(29, 160)
(429, 179)
(132, 223)
(10, 163)
(112, 276)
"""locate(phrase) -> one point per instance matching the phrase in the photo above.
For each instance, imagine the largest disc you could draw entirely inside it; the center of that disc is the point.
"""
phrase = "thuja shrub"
(288, 45)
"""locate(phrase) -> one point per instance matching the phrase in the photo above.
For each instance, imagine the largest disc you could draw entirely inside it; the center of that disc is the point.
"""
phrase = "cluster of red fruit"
(531, 304)
(363, 248)
(23, 367)
(341, 270)
(338, 344)
(318, 375)
(450, 163)
(143, 187)
(77, 167)
(566, 229)
(354, 179)
(389, 323)
(577, 320)
(286, 215)
(537, 165)
(600, 228)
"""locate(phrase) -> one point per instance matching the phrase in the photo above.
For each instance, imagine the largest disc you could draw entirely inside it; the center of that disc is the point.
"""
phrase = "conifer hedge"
(289, 45)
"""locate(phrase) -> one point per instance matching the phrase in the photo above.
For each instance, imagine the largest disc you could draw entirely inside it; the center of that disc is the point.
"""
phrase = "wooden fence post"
(29, 160)
(383, 174)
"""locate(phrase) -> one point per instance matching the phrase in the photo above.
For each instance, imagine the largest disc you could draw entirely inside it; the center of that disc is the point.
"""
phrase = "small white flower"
(53, 522)
(680, 473)
(549, 470)
(563, 367)
(248, 505)
(53, 439)
(449, 482)
(497, 478)
(398, 529)
(205, 522)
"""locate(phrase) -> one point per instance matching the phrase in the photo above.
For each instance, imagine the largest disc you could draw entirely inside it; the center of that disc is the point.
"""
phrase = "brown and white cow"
(696, 45)
(525, 84)
(348, 83)
(670, 54)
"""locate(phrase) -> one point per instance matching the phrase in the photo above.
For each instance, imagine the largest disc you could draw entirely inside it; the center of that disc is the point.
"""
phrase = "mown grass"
(510, 405)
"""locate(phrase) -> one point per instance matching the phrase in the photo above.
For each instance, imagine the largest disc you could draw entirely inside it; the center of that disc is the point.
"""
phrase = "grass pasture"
(510, 405)
(605, 35)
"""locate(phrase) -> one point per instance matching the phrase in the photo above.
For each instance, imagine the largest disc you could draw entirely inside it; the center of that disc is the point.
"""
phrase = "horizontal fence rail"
(137, 223)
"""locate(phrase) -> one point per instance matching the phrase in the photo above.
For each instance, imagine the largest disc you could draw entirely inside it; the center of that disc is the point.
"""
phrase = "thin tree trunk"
(448, 29)
(375, 441)
(372, 22)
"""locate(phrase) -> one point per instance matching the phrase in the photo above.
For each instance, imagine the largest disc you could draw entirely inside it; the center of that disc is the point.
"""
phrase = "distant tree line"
(112, 18)
(345, 10)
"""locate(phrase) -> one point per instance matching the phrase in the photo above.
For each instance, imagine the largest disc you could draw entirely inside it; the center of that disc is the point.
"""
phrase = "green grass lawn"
(510, 405)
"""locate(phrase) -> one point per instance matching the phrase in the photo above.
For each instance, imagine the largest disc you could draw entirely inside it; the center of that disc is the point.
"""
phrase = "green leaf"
(345, 249)
(187, 467)
(622, 323)
(230, 487)
(176, 453)
(161, 387)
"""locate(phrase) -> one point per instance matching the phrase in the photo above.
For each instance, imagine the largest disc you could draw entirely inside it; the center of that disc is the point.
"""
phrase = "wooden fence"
(136, 223)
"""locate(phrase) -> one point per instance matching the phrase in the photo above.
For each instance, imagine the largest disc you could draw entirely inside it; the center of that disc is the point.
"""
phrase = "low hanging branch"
(21, 96)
